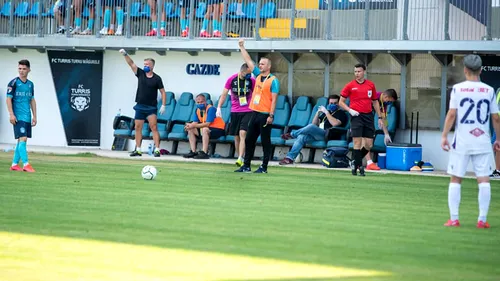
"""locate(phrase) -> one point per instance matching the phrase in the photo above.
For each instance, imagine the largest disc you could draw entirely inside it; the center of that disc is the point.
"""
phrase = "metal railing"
(259, 19)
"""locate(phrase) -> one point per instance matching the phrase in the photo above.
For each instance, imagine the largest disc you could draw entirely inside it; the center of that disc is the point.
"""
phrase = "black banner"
(490, 74)
(78, 82)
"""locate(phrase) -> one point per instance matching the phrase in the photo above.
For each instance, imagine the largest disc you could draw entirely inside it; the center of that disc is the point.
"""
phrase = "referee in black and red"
(362, 95)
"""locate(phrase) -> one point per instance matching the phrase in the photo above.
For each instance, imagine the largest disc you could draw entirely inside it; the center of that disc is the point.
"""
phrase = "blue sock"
(107, 18)
(183, 24)
(16, 158)
(163, 25)
(154, 24)
(205, 24)
(78, 22)
(215, 25)
(23, 152)
(187, 23)
(119, 17)
(90, 24)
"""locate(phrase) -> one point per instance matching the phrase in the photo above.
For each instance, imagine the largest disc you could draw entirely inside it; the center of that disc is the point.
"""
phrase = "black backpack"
(336, 157)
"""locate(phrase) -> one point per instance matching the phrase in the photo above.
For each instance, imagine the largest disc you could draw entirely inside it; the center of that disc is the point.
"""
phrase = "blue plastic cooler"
(402, 156)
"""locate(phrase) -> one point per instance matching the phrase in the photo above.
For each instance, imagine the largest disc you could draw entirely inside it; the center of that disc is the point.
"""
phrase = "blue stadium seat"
(176, 13)
(231, 11)
(135, 10)
(268, 10)
(208, 97)
(201, 10)
(301, 113)
(49, 13)
(5, 12)
(22, 10)
(343, 141)
(123, 126)
(169, 9)
(145, 131)
(146, 11)
(250, 10)
(183, 113)
(281, 117)
(164, 119)
(33, 13)
(379, 144)
(320, 102)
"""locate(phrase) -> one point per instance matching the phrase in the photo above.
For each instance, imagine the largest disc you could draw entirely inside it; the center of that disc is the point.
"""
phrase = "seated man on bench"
(325, 118)
(205, 125)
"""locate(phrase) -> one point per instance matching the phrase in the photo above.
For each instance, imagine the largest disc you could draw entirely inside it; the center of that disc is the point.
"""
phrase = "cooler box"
(402, 156)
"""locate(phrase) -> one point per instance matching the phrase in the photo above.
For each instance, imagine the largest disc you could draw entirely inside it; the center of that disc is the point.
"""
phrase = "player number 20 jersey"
(474, 102)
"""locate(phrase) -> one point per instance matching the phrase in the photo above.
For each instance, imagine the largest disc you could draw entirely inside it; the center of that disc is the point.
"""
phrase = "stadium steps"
(280, 27)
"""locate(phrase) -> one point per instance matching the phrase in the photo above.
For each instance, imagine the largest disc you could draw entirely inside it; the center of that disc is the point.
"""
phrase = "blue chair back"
(225, 108)
(281, 116)
(250, 10)
(5, 9)
(135, 10)
(34, 10)
(201, 10)
(300, 113)
(170, 107)
(268, 10)
(22, 9)
(320, 102)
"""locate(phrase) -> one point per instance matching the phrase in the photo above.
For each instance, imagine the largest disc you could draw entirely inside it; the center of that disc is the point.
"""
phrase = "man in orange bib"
(205, 124)
(262, 104)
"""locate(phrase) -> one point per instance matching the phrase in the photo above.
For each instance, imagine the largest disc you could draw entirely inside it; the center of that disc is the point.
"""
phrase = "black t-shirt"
(147, 88)
(337, 114)
(245, 86)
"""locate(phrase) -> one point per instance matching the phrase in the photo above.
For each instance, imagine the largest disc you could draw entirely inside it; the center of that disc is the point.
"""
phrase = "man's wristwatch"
(380, 117)
(271, 115)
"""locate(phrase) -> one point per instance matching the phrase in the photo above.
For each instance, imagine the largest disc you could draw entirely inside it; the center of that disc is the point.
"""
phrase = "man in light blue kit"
(20, 103)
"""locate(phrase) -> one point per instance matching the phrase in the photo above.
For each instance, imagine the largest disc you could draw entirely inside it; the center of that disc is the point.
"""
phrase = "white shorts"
(481, 164)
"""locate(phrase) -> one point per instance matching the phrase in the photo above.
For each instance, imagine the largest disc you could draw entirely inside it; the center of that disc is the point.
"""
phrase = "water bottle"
(150, 149)
(119, 112)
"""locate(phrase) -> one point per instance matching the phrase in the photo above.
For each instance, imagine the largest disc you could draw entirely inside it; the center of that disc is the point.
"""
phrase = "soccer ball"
(148, 172)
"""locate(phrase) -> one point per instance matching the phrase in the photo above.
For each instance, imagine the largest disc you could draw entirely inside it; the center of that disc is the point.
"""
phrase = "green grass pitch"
(91, 218)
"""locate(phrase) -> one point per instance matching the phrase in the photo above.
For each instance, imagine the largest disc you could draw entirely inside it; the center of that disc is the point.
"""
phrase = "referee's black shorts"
(362, 126)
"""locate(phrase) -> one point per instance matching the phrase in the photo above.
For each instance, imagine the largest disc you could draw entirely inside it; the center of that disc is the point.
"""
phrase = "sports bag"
(335, 157)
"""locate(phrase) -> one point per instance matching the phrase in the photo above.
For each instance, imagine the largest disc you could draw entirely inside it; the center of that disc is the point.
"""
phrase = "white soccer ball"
(148, 172)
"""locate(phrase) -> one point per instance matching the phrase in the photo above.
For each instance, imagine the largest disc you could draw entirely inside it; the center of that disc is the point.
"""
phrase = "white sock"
(369, 162)
(484, 198)
(454, 200)
(112, 27)
(14, 164)
(26, 164)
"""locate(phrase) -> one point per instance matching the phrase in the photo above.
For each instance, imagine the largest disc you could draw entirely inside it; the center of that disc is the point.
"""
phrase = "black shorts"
(22, 129)
(239, 122)
(142, 111)
(215, 133)
(362, 126)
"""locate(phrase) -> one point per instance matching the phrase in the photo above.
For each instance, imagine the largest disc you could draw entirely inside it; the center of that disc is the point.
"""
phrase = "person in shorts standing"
(240, 87)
